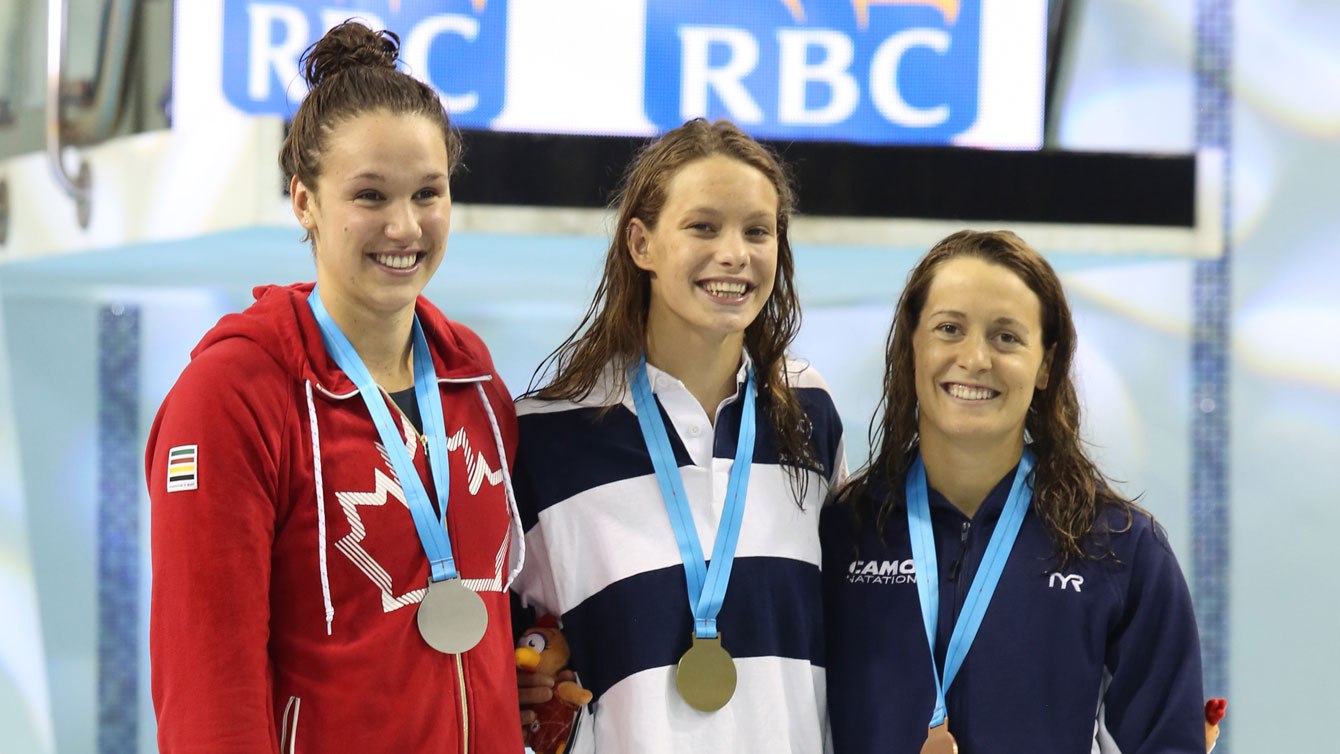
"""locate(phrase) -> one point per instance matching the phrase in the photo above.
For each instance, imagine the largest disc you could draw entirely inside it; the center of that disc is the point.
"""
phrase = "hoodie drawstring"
(515, 532)
(320, 510)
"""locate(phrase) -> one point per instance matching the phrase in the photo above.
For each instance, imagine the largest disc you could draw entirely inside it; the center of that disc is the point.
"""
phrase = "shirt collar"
(670, 380)
(740, 376)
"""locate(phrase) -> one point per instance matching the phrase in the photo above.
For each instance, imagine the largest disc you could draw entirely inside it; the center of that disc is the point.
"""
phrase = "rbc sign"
(873, 71)
(456, 46)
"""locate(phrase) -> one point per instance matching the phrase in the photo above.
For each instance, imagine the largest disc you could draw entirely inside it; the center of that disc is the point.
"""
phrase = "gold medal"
(706, 675)
(939, 740)
(452, 618)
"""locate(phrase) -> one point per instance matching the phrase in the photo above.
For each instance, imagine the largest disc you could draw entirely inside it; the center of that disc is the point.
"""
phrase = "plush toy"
(542, 648)
(1214, 712)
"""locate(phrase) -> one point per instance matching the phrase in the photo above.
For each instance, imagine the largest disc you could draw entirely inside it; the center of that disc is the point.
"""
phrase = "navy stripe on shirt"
(615, 449)
(644, 621)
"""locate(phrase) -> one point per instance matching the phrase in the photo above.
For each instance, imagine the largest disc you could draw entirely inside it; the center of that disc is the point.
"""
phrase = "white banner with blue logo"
(961, 72)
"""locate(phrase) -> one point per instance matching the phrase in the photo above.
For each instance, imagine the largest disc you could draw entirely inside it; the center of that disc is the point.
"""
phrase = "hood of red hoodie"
(282, 324)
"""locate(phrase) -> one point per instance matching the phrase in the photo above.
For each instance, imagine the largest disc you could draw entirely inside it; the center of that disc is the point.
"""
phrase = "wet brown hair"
(1069, 492)
(614, 329)
(351, 71)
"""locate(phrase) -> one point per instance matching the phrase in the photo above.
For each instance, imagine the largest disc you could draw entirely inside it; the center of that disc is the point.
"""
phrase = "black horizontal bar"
(856, 180)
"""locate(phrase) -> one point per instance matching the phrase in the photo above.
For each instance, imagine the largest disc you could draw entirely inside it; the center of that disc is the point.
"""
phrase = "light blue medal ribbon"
(448, 616)
(983, 584)
(706, 674)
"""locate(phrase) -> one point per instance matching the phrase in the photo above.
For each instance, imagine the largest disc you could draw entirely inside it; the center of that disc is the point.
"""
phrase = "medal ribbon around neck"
(451, 618)
(432, 530)
(983, 584)
(706, 584)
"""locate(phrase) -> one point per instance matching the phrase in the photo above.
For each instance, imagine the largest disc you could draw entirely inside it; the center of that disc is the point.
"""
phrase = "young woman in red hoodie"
(333, 525)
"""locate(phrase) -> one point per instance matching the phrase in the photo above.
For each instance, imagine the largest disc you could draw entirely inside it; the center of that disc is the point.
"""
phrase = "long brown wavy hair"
(614, 329)
(1069, 491)
(351, 71)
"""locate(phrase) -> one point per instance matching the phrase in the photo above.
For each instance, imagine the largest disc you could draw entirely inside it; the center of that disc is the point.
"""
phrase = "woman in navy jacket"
(1059, 622)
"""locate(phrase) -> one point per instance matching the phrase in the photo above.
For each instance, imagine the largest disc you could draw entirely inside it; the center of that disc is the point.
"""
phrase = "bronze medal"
(452, 618)
(939, 740)
(705, 675)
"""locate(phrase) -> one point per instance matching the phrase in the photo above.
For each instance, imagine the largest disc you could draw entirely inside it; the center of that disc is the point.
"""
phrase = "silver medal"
(452, 618)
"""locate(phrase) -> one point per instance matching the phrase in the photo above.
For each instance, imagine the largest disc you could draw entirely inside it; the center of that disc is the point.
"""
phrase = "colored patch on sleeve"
(183, 468)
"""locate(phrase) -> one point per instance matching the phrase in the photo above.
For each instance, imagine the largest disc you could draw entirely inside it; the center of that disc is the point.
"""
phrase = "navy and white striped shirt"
(602, 555)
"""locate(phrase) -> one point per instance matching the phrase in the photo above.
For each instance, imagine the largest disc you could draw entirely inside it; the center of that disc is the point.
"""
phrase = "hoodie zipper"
(465, 708)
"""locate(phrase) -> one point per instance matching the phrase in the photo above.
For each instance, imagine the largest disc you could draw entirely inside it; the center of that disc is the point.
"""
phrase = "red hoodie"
(286, 580)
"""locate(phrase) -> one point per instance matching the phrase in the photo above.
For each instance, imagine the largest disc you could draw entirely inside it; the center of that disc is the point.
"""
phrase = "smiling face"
(379, 214)
(979, 356)
(712, 254)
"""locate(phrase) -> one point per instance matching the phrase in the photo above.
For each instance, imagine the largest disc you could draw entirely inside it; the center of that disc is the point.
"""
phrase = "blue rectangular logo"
(874, 71)
(459, 47)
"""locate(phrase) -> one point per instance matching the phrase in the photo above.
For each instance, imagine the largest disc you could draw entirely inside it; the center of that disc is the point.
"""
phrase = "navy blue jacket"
(1103, 656)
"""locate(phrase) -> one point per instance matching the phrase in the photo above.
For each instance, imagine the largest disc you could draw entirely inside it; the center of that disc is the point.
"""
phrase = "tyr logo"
(1066, 580)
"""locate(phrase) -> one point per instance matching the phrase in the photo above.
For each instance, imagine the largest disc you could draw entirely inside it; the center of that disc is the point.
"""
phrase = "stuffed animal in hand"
(543, 649)
(1214, 712)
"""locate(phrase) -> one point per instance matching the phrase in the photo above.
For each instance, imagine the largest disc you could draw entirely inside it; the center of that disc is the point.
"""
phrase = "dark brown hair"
(614, 329)
(351, 71)
(1069, 491)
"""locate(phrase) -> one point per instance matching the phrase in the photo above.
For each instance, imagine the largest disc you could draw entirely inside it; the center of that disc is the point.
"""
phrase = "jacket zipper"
(957, 565)
(960, 595)
(465, 709)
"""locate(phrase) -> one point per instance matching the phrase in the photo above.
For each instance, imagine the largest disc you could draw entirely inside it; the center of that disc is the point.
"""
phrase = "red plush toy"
(1214, 712)
(542, 648)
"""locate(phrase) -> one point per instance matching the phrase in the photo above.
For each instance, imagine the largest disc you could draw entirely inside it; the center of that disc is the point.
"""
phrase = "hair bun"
(349, 45)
